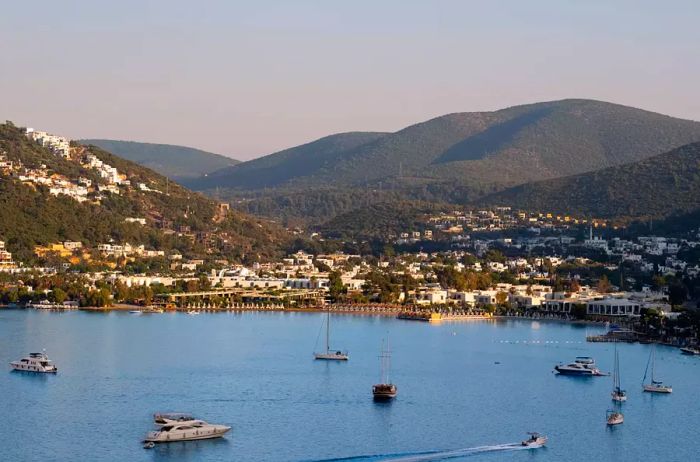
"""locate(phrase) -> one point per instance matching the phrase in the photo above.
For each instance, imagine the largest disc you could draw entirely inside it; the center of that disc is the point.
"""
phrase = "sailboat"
(385, 390)
(329, 355)
(655, 386)
(618, 394)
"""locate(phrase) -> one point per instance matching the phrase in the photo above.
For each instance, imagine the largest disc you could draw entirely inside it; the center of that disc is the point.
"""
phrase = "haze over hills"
(480, 149)
(48, 198)
(175, 162)
(659, 186)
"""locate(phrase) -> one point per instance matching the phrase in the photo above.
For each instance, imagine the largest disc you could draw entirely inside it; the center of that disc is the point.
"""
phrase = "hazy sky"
(248, 78)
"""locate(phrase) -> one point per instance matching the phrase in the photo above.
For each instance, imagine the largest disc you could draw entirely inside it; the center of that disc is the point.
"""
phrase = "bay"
(462, 385)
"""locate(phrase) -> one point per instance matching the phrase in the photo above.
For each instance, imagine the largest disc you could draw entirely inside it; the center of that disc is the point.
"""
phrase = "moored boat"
(35, 362)
(618, 394)
(583, 366)
(654, 386)
(190, 430)
(329, 354)
(614, 417)
(691, 351)
(385, 390)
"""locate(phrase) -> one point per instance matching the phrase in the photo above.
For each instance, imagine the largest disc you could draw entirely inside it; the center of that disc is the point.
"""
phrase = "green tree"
(335, 286)
(58, 295)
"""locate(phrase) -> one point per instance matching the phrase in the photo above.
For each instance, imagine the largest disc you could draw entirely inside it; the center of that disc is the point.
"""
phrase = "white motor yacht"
(35, 362)
(535, 441)
(582, 366)
(186, 431)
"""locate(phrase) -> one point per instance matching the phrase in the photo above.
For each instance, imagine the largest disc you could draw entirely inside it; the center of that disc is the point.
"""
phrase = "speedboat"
(186, 431)
(691, 351)
(614, 417)
(35, 362)
(582, 366)
(384, 391)
(167, 418)
(535, 441)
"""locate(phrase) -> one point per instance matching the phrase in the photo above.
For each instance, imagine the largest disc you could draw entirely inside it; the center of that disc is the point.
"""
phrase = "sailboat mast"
(328, 331)
(387, 359)
(653, 363)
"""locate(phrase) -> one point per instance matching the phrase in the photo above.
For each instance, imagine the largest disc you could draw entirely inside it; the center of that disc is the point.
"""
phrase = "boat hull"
(576, 372)
(331, 356)
(187, 436)
(384, 392)
(34, 369)
(655, 389)
(615, 420)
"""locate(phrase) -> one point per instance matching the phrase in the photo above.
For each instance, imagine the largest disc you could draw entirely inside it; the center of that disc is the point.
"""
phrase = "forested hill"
(506, 147)
(47, 198)
(661, 186)
(175, 162)
(286, 166)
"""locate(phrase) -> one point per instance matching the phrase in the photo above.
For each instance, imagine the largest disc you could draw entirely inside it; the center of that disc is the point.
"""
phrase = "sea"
(467, 390)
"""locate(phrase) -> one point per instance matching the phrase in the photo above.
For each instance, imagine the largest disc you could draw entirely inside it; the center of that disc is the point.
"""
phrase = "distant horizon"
(247, 79)
(350, 131)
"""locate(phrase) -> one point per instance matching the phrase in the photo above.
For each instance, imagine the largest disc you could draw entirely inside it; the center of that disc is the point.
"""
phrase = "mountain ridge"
(174, 161)
(507, 147)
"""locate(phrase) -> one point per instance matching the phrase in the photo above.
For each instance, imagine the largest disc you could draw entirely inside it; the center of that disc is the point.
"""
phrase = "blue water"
(255, 371)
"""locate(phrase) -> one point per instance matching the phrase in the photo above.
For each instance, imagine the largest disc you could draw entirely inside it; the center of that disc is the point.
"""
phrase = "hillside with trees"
(176, 218)
(658, 187)
(482, 150)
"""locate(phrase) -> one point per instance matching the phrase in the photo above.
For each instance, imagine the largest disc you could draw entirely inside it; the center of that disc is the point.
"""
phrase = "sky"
(246, 79)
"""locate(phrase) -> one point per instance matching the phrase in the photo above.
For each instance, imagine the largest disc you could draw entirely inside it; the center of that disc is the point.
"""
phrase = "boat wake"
(435, 455)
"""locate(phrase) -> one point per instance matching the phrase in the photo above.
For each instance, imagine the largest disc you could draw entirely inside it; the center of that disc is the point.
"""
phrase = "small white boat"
(654, 386)
(535, 441)
(167, 418)
(618, 394)
(35, 362)
(330, 355)
(614, 417)
(190, 430)
(135, 311)
(193, 312)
